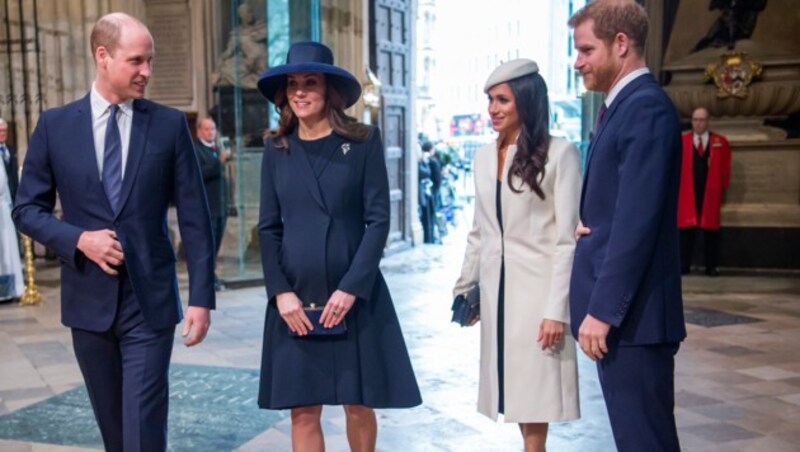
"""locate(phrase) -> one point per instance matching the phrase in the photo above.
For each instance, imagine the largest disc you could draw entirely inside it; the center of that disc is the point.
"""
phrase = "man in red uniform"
(705, 173)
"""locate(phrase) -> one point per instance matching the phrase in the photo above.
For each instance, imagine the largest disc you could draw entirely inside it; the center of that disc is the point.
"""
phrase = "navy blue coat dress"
(321, 231)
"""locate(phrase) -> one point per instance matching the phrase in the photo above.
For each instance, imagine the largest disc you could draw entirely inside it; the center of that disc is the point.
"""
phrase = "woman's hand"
(551, 332)
(475, 320)
(581, 230)
(336, 308)
(291, 309)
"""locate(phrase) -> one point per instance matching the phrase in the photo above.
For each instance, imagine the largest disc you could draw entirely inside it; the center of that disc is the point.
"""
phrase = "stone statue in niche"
(737, 21)
(245, 57)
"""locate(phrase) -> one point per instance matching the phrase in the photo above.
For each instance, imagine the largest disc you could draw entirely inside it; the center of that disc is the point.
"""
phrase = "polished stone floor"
(738, 373)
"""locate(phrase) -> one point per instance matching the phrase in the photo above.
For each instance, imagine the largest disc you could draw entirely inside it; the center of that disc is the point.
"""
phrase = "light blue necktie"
(112, 159)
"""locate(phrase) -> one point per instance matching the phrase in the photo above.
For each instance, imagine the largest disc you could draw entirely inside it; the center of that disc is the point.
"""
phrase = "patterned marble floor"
(738, 373)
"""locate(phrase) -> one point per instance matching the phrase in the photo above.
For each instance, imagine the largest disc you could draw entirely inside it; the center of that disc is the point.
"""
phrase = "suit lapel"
(87, 154)
(297, 154)
(607, 118)
(505, 202)
(330, 154)
(139, 124)
(489, 181)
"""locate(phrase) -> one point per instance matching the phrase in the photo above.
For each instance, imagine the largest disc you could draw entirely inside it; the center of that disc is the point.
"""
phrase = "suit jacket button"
(116, 223)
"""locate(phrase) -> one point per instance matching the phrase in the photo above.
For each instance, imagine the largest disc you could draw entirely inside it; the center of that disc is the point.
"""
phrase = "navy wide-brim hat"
(310, 57)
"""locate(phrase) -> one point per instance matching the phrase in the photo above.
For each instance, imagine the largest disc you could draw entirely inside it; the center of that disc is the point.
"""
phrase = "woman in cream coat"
(520, 251)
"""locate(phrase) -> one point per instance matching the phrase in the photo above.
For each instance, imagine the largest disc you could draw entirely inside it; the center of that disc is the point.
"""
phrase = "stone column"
(174, 76)
(300, 20)
(654, 50)
(342, 29)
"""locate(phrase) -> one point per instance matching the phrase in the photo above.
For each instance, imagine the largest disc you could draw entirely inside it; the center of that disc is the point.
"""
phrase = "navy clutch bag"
(467, 306)
(314, 312)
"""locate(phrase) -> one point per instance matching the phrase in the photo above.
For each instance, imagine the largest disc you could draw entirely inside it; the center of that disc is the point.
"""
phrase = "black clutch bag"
(314, 312)
(467, 306)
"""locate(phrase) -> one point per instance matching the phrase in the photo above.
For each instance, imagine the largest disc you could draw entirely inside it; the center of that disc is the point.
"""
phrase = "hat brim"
(274, 79)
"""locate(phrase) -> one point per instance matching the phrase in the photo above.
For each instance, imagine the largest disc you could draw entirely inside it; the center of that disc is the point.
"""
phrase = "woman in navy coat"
(323, 226)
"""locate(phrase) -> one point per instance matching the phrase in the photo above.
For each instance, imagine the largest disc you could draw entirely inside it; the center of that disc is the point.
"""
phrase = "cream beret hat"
(509, 71)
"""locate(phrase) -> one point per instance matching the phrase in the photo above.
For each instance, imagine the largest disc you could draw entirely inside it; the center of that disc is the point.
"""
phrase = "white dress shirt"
(615, 90)
(100, 114)
(704, 138)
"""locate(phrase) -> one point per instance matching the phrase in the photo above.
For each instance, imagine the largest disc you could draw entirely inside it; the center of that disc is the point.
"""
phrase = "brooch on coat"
(345, 148)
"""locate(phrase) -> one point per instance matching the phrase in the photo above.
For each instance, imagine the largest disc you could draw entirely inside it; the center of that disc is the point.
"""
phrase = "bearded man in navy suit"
(625, 292)
(117, 161)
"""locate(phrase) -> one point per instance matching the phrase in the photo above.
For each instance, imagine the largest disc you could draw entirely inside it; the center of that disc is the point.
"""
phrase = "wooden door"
(390, 59)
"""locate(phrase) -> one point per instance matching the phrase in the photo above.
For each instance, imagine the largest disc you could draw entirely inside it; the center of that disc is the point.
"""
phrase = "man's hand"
(581, 230)
(196, 322)
(592, 337)
(336, 308)
(102, 248)
(551, 332)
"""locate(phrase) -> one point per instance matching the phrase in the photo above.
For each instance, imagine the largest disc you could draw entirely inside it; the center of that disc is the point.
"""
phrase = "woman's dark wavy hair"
(530, 97)
(342, 124)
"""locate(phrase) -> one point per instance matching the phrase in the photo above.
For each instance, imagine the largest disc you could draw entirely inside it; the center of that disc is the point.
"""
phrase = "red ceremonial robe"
(719, 174)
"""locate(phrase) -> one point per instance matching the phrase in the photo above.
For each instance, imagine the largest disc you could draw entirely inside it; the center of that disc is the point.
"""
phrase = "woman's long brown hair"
(530, 94)
(342, 124)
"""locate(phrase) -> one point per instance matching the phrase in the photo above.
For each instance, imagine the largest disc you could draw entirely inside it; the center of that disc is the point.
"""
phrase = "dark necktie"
(112, 159)
(6, 155)
(600, 113)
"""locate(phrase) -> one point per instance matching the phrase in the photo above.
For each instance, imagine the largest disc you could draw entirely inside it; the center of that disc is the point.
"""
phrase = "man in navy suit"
(212, 156)
(117, 161)
(625, 293)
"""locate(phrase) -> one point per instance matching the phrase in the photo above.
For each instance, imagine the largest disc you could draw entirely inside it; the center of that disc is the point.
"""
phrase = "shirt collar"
(624, 81)
(704, 136)
(207, 144)
(100, 104)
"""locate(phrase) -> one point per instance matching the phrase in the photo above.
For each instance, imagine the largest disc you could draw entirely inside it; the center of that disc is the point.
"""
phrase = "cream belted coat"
(537, 245)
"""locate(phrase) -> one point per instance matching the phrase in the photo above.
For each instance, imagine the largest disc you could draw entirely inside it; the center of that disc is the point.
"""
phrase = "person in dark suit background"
(705, 175)
(323, 225)
(9, 156)
(625, 293)
(212, 158)
(436, 173)
(117, 161)
(426, 203)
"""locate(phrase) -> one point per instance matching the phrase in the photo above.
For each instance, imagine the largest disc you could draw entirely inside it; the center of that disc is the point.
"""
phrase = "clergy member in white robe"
(11, 285)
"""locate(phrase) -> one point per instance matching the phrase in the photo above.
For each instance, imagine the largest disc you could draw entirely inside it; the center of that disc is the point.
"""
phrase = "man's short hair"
(107, 30)
(704, 109)
(427, 146)
(615, 16)
(201, 119)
